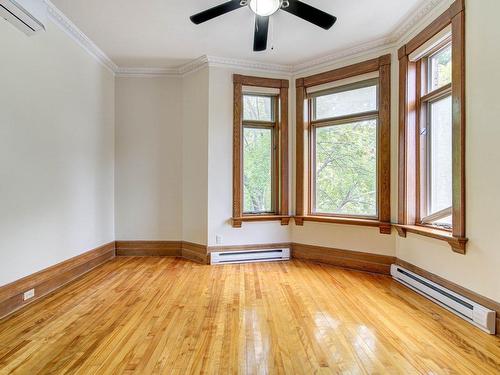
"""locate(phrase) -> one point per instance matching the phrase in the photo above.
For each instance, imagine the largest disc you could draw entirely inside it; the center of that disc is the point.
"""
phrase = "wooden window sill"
(385, 228)
(458, 244)
(238, 221)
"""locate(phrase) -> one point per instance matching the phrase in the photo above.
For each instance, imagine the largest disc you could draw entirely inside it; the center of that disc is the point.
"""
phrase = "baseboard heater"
(250, 256)
(468, 310)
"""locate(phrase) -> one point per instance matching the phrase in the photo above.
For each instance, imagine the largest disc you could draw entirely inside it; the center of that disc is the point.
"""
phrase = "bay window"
(432, 131)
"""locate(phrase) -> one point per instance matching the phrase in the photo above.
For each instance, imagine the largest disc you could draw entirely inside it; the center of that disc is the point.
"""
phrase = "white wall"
(220, 169)
(56, 151)
(148, 179)
(479, 270)
(195, 88)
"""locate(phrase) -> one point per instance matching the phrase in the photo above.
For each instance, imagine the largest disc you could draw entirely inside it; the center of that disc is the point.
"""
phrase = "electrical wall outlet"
(29, 294)
(218, 239)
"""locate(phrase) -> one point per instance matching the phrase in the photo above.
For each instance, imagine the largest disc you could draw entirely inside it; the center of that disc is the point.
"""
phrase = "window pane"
(440, 155)
(346, 103)
(257, 170)
(346, 169)
(440, 69)
(257, 108)
(445, 222)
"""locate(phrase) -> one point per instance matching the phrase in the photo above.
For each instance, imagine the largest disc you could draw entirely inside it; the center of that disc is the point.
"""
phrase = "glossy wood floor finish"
(172, 316)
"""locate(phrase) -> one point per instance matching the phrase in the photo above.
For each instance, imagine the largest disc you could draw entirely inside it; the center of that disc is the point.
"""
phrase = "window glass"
(440, 68)
(257, 170)
(257, 108)
(445, 222)
(346, 103)
(346, 169)
(440, 133)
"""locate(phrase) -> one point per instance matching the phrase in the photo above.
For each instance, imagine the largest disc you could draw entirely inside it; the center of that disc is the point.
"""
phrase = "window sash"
(341, 120)
(425, 99)
(374, 115)
(431, 219)
(275, 165)
(341, 89)
(274, 102)
(430, 54)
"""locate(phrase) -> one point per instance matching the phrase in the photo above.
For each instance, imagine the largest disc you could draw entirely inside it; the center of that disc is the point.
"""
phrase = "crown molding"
(147, 72)
(250, 65)
(423, 12)
(204, 62)
(374, 46)
(65, 24)
(193, 66)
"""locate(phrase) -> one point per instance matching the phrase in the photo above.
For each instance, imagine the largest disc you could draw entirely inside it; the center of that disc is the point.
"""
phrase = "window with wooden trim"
(343, 146)
(431, 131)
(260, 165)
(344, 128)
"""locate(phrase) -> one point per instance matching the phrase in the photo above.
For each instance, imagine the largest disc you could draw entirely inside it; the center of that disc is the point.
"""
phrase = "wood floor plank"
(158, 315)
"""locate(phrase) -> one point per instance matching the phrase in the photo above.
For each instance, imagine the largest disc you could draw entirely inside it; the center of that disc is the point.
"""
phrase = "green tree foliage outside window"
(257, 170)
(346, 169)
(257, 153)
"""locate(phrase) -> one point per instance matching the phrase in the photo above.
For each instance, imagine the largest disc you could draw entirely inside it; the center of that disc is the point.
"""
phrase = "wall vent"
(250, 256)
(468, 310)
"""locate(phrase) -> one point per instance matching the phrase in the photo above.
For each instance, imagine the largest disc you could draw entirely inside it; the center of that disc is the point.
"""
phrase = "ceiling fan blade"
(260, 36)
(310, 14)
(217, 11)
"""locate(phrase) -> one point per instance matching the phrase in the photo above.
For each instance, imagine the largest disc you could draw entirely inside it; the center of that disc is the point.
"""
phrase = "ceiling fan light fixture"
(265, 8)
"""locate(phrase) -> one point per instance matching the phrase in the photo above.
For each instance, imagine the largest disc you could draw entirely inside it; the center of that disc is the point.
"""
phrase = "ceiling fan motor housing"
(265, 7)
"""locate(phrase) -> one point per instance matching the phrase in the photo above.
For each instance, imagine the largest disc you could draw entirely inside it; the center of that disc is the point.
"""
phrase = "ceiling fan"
(265, 8)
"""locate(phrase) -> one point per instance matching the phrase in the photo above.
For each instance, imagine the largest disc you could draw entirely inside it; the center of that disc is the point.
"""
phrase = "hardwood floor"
(172, 316)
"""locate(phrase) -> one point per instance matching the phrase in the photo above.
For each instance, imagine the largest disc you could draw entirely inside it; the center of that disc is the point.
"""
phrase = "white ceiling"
(159, 34)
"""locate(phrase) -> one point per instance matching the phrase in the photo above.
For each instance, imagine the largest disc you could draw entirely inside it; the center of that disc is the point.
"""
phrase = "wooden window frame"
(382, 65)
(280, 162)
(410, 113)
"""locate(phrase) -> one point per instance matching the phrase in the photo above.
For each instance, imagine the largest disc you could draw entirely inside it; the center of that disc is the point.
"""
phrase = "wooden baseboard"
(344, 258)
(195, 252)
(149, 248)
(52, 278)
(188, 250)
(486, 302)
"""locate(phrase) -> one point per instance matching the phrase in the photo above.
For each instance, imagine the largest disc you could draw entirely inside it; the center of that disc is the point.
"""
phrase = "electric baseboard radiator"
(468, 310)
(250, 256)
